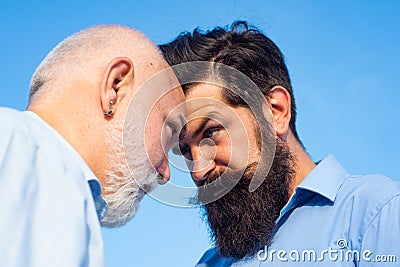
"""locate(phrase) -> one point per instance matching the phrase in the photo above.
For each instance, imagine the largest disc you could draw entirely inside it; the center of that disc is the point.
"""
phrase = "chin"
(123, 196)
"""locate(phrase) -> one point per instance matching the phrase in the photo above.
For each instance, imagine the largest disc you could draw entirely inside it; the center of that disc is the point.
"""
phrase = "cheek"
(153, 141)
(237, 148)
(223, 155)
(232, 156)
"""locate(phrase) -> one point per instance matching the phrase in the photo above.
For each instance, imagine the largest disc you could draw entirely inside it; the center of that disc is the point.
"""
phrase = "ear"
(118, 73)
(280, 102)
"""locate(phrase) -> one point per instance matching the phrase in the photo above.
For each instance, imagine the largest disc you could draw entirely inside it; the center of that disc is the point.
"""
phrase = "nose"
(164, 170)
(203, 162)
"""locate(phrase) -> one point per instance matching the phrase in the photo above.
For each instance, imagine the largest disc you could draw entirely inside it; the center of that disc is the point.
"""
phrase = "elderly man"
(57, 156)
(284, 209)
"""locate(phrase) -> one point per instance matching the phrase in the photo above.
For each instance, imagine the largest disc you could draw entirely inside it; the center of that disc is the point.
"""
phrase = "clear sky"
(344, 61)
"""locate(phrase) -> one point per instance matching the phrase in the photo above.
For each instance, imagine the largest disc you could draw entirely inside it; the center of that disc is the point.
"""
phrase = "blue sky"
(342, 56)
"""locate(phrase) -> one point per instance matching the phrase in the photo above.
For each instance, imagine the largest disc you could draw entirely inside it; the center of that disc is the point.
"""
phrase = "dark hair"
(242, 47)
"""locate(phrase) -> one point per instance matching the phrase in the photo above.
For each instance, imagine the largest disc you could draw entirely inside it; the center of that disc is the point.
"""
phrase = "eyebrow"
(199, 130)
(184, 131)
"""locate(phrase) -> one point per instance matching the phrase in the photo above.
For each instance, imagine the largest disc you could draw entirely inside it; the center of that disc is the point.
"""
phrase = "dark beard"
(242, 222)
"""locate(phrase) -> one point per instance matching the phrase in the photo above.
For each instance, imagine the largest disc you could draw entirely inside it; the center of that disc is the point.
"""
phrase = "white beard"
(124, 189)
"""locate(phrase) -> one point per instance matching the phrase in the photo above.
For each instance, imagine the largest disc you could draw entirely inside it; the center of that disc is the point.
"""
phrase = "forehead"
(170, 105)
(204, 98)
(162, 91)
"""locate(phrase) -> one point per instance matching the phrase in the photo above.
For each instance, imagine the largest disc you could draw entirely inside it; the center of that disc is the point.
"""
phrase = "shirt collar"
(93, 181)
(325, 179)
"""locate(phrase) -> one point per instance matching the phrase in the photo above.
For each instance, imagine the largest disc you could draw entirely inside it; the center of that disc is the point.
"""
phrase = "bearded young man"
(56, 157)
(299, 206)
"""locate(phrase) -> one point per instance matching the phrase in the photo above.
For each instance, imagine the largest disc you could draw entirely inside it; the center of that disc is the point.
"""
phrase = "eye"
(210, 133)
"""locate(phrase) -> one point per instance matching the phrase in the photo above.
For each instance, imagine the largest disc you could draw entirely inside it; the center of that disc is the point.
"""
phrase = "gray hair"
(78, 50)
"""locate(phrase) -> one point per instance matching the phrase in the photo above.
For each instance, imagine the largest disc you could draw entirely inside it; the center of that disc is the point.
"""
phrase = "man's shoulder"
(18, 132)
(9, 116)
(371, 186)
(367, 195)
(16, 121)
(24, 131)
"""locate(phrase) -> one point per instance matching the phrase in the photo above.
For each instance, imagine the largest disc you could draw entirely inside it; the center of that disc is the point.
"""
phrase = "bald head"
(89, 50)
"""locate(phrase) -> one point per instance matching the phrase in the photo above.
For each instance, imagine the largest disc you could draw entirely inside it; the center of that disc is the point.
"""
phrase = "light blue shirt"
(47, 192)
(332, 219)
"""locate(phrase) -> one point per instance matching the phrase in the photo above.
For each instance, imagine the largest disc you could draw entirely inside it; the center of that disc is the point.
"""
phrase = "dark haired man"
(302, 212)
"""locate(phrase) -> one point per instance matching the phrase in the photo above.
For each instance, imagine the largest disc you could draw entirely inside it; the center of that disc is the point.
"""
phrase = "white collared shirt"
(50, 200)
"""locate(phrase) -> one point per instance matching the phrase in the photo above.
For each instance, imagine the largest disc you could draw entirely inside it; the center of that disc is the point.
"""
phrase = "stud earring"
(110, 110)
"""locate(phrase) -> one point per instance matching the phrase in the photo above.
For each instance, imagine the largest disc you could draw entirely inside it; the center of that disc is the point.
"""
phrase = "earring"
(110, 110)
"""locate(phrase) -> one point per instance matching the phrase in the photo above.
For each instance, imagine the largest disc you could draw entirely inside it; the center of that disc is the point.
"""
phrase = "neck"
(78, 128)
(303, 163)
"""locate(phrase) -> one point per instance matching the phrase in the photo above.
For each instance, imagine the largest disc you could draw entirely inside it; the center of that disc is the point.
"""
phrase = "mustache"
(220, 183)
